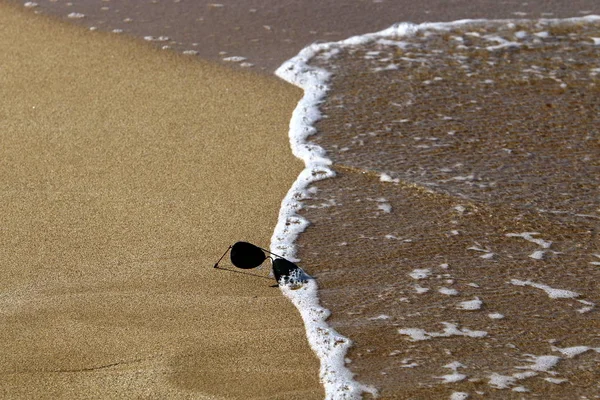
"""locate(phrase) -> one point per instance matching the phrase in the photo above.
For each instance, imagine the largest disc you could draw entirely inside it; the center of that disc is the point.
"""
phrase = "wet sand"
(125, 173)
(491, 199)
(268, 33)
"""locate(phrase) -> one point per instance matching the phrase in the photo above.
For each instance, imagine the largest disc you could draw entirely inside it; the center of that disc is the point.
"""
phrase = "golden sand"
(125, 173)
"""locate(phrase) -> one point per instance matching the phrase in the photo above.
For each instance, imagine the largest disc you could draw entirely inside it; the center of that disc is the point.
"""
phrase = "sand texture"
(125, 172)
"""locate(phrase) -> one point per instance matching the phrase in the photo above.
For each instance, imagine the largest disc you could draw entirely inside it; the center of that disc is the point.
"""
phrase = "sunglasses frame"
(284, 270)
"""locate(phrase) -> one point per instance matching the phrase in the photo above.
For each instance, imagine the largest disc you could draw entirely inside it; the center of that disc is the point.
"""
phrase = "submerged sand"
(125, 173)
(266, 33)
(473, 267)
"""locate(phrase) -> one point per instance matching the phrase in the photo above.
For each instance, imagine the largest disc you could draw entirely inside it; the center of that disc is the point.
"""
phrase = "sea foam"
(329, 345)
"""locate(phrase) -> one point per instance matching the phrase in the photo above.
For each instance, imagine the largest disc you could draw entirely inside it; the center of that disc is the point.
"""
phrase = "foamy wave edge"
(329, 346)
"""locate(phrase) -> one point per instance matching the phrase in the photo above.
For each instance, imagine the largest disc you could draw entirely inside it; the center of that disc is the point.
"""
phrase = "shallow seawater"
(458, 245)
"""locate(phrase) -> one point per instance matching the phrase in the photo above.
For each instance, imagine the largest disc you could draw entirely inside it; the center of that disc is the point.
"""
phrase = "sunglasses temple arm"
(217, 263)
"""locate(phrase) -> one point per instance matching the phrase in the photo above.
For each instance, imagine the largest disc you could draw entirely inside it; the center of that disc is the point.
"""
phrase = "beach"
(456, 248)
(126, 172)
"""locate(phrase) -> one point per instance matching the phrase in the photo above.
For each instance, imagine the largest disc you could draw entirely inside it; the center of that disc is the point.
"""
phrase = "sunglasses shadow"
(244, 273)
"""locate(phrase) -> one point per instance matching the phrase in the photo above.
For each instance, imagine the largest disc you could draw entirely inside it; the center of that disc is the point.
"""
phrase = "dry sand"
(125, 172)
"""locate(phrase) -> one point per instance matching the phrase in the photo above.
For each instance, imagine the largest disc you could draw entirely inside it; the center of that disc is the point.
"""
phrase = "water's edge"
(329, 346)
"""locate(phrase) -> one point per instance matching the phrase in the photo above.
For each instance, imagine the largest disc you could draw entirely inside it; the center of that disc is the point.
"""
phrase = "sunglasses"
(245, 255)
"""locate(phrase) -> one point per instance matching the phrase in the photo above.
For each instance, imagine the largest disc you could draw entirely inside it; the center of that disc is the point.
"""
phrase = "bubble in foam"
(385, 207)
(157, 38)
(234, 59)
(471, 305)
(552, 293)
(75, 15)
(387, 178)
(420, 273)
(556, 381)
(501, 381)
(540, 363)
(459, 396)
(448, 291)
(450, 329)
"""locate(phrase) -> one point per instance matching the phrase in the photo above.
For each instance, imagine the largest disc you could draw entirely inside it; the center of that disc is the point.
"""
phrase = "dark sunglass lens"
(246, 255)
(287, 272)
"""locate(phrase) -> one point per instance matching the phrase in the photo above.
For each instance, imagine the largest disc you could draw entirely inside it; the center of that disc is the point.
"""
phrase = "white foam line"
(329, 346)
(552, 292)
(540, 363)
(417, 334)
(574, 351)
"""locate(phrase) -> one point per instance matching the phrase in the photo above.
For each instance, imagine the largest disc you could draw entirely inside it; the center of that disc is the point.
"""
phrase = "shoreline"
(274, 242)
(449, 224)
